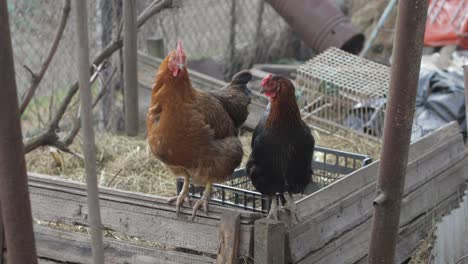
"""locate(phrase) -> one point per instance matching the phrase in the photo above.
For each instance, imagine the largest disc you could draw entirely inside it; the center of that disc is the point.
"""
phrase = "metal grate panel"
(344, 91)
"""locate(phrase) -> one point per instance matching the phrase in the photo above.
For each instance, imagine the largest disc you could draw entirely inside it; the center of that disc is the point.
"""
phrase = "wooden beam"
(269, 245)
(332, 220)
(350, 242)
(130, 67)
(228, 238)
(73, 247)
(147, 217)
(359, 179)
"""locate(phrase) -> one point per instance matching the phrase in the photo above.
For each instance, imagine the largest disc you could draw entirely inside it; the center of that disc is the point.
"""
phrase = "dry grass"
(422, 254)
(123, 163)
(127, 164)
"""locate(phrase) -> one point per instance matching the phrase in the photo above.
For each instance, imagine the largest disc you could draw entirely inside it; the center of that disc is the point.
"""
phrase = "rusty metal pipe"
(14, 195)
(411, 21)
(321, 24)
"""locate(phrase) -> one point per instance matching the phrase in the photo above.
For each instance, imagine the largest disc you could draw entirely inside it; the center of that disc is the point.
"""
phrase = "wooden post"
(1, 236)
(228, 238)
(130, 67)
(14, 193)
(269, 242)
(89, 148)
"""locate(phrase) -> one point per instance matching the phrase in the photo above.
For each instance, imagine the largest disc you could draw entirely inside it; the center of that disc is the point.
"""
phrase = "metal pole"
(411, 21)
(14, 195)
(130, 67)
(465, 72)
(380, 24)
(89, 149)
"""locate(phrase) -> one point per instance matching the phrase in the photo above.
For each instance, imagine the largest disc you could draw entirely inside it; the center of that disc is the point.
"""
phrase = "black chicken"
(282, 147)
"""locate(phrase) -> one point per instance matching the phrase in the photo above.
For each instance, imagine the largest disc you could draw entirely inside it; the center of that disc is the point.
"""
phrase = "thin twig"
(113, 178)
(37, 78)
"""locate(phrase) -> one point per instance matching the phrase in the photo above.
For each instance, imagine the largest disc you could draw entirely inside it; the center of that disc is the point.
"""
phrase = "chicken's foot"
(203, 201)
(273, 214)
(291, 208)
(183, 196)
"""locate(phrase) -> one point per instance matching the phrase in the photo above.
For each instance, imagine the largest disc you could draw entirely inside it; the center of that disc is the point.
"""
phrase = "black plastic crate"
(328, 165)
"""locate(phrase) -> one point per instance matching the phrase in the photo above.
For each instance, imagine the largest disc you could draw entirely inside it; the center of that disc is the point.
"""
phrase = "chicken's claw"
(290, 208)
(179, 199)
(273, 214)
(197, 205)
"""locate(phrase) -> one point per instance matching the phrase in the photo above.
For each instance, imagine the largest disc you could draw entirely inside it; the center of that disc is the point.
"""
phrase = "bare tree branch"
(37, 78)
(48, 136)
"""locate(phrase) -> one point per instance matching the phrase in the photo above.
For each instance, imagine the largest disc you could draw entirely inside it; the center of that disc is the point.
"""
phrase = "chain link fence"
(220, 37)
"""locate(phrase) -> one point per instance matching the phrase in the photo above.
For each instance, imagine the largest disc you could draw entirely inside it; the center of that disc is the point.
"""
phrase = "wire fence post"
(465, 73)
(408, 44)
(89, 149)
(14, 195)
(130, 67)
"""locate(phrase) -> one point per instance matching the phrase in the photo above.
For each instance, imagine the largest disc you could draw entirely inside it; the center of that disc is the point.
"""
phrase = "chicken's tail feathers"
(242, 77)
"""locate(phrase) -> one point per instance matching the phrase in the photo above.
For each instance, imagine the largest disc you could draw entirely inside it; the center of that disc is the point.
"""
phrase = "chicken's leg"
(273, 214)
(203, 201)
(183, 195)
(291, 207)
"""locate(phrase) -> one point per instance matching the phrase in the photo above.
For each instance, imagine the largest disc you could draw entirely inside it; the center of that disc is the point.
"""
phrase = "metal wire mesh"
(231, 34)
(344, 91)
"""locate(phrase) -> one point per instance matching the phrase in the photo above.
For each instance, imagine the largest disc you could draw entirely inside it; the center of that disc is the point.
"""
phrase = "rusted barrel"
(320, 24)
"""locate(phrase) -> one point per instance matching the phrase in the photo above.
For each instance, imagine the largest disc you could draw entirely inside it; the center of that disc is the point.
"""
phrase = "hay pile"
(123, 163)
(422, 254)
(127, 164)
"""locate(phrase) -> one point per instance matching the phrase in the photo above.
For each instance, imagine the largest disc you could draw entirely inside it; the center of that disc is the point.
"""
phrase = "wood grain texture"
(269, 242)
(352, 245)
(145, 216)
(71, 247)
(228, 238)
(328, 218)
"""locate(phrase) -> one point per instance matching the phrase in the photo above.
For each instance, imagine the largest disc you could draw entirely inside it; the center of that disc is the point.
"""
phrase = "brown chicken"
(194, 133)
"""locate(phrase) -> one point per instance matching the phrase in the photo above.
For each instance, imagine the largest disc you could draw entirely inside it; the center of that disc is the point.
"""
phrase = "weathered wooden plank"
(351, 245)
(412, 234)
(144, 216)
(269, 242)
(72, 247)
(228, 238)
(328, 224)
(353, 182)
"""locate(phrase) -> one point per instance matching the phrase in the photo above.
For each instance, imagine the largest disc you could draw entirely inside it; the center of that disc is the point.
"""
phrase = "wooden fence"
(336, 219)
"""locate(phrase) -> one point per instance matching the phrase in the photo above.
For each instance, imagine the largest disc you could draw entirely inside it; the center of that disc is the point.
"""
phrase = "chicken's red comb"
(180, 51)
(266, 79)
